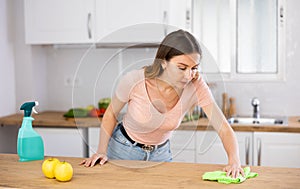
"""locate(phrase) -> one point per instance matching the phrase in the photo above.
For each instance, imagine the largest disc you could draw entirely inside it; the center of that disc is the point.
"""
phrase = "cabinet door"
(277, 149)
(245, 142)
(179, 15)
(69, 142)
(8, 139)
(59, 21)
(183, 146)
(210, 149)
(93, 133)
(131, 21)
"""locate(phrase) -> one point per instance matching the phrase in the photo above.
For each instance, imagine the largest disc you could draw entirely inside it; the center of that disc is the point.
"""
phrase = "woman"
(158, 97)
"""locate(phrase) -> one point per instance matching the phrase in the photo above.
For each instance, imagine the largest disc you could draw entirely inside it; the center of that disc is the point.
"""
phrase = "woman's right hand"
(90, 162)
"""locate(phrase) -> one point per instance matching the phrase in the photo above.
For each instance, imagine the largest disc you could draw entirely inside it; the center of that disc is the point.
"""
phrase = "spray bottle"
(30, 144)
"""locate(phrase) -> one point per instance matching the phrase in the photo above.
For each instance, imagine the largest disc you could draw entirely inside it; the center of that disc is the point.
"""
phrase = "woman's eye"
(195, 68)
(182, 68)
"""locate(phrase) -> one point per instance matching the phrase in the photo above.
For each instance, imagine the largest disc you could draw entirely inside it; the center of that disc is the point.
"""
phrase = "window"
(242, 39)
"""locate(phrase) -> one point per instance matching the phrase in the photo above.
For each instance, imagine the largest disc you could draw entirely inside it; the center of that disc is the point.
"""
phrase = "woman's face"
(180, 70)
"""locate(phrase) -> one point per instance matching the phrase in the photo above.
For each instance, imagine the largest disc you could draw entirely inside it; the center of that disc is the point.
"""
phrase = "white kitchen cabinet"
(136, 21)
(209, 148)
(183, 146)
(277, 149)
(94, 133)
(258, 148)
(8, 139)
(70, 142)
(131, 21)
(180, 15)
(104, 21)
(59, 21)
(245, 142)
(255, 148)
(206, 147)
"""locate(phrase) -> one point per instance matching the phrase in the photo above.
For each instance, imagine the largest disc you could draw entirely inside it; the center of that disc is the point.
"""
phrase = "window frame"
(233, 75)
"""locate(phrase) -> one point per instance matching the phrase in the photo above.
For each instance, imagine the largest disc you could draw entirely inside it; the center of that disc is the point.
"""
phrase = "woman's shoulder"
(134, 75)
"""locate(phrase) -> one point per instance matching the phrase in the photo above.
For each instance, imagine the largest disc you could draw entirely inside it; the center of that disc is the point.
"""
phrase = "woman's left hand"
(234, 170)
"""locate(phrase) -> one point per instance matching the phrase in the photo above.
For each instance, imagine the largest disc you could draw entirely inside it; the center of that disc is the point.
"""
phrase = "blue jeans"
(120, 147)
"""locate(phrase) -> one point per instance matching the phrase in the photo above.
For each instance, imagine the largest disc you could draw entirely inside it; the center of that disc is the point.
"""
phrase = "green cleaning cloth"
(221, 177)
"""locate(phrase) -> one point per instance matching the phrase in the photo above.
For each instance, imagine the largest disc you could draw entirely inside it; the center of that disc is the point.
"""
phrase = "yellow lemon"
(48, 167)
(63, 171)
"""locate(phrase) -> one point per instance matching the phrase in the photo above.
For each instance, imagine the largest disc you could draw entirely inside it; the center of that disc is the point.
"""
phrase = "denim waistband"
(145, 147)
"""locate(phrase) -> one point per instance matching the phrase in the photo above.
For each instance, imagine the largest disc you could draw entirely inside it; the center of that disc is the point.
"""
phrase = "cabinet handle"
(258, 151)
(247, 147)
(165, 21)
(281, 16)
(188, 19)
(89, 25)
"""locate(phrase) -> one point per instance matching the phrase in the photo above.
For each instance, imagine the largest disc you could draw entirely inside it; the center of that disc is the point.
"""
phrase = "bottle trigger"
(34, 110)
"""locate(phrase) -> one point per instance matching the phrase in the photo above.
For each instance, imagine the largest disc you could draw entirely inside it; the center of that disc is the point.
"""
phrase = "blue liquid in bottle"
(31, 148)
(30, 144)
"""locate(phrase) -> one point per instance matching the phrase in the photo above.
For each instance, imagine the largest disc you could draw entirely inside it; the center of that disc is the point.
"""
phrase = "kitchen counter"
(293, 126)
(52, 119)
(56, 119)
(136, 174)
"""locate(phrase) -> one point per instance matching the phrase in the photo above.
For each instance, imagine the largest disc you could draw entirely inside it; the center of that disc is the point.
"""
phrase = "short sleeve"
(126, 84)
(203, 93)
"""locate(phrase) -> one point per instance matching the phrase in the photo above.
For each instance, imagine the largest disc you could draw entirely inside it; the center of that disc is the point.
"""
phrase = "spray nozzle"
(28, 107)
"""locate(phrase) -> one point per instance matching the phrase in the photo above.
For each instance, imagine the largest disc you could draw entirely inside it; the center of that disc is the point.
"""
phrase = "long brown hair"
(174, 44)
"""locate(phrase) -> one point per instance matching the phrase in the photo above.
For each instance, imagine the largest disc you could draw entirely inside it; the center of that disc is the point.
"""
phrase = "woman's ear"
(164, 64)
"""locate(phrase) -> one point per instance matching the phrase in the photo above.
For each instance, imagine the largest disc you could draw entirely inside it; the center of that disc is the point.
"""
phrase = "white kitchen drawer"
(277, 149)
(209, 148)
(188, 156)
(94, 133)
(183, 146)
(183, 140)
(69, 142)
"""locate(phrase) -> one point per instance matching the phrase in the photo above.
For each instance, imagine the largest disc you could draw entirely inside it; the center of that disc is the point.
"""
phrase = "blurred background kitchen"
(70, 53)
(46, 72)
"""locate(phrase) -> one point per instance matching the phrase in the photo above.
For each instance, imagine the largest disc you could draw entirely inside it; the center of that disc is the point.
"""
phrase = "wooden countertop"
(56, 119)
(136, 174)
(203, 124)
(52, 119)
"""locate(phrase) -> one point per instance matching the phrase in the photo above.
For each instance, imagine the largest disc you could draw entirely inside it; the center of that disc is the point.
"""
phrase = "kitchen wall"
(48, 73)
(7, 67)
(7, 75)
(30, 63)
(94, 73)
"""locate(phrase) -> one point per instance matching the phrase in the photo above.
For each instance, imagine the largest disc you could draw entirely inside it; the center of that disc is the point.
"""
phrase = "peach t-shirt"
(142, 121)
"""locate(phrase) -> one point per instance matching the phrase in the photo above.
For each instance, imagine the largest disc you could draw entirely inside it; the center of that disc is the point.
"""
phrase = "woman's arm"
(108, 124)
(226, 133)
